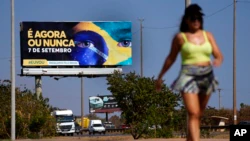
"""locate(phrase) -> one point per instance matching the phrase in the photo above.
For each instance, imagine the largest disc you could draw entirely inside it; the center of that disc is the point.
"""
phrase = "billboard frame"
(68, 71)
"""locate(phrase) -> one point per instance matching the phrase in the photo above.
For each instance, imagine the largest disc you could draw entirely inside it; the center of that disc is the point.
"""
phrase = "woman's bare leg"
(192, 105)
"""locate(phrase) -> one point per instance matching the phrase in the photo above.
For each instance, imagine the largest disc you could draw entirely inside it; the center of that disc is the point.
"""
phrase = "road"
(110, 137)
(100, 135)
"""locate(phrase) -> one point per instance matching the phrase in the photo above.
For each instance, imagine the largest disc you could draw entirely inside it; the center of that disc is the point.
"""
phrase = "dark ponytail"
(183, 26)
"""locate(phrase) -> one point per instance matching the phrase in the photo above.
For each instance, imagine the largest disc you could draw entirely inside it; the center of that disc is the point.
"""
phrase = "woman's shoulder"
(179, 36)
(209, 34)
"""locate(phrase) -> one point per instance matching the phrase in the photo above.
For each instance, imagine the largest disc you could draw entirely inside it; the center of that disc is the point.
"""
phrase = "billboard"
(99, 103)
(86, 43)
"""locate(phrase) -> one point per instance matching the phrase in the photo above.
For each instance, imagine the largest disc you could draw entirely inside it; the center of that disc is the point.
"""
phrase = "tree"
(142, 106)
(115, 120)
(32, 114)
(93, 116)
(244, 113)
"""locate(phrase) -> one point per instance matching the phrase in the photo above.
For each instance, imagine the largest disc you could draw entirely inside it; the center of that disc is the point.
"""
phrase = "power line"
(243, 1)
(136, 31)
(222, 9)
(214, 13)
(167, 27)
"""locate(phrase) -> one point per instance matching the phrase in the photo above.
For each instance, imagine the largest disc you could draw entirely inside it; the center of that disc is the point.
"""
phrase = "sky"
(161, 20)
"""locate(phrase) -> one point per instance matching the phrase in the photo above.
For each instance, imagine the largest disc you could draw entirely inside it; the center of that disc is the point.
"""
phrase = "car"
(244, 123)
(109, 125)
(124, 126)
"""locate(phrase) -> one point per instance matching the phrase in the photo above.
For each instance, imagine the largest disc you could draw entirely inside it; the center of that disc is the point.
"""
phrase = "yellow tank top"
(192, 53)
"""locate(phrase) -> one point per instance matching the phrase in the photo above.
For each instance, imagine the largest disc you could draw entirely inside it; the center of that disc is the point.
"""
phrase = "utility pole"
(141, 20)
(187, 3)
(219, 97)
(234, 65)
(82, 103)
(13, 81)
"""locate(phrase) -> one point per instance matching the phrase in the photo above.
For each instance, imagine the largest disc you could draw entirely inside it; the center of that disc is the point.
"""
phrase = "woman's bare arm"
(216, 51)
(175, 48)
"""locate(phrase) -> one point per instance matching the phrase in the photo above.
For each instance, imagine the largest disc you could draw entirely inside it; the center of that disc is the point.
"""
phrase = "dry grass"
(219, 137)
(92, 138)
(222, 136)
(121, 138)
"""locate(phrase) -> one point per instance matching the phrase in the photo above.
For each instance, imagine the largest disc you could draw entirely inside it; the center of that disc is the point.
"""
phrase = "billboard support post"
(82, 102)
(107, 116)
(38, 84)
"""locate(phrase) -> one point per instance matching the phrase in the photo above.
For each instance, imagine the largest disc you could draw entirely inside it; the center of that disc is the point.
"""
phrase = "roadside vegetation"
(33, 118)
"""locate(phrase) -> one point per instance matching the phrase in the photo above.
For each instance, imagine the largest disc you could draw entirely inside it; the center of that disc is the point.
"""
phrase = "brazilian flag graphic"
(102, 43)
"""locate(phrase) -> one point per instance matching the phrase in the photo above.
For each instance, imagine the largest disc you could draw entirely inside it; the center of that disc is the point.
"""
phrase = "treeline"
(33, 118)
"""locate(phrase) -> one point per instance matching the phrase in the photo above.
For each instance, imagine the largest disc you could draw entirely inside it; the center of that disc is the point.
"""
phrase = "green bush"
(142, 106)
(33, 118)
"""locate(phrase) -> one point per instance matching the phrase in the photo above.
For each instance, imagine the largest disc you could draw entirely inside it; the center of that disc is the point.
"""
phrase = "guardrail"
(202, 127)
(107, 130)
(215, 127)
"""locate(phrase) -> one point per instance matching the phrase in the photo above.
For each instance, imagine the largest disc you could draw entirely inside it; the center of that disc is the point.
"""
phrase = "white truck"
(65, 123)
(96, 126)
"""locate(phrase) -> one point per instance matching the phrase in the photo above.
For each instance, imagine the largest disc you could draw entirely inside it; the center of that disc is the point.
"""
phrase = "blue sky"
(159, 15)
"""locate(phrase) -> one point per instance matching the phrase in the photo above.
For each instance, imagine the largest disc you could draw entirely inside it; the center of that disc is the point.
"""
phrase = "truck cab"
(96, 126)
(65, 123)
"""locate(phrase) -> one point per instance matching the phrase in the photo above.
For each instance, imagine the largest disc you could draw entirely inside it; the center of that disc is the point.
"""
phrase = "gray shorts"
(196, 80)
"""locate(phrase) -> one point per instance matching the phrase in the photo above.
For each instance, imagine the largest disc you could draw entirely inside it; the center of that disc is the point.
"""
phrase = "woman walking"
(196, 80)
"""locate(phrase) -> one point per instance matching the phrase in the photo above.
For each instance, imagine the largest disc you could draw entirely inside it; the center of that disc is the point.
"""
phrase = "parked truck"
(85, 125)
(65, 123)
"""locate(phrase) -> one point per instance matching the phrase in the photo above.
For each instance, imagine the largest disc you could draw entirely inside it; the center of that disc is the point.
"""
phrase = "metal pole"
(219, 97)
(187, 3)
(82, 103)
(38, 84)
(234, 65)
(13, 95)
(141, 20)
(107, 117)
(13, 81)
